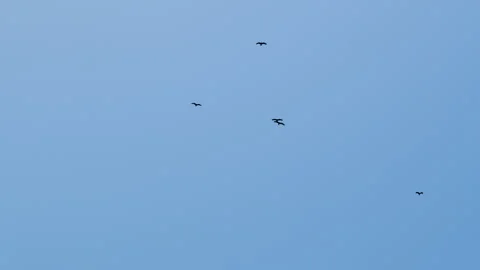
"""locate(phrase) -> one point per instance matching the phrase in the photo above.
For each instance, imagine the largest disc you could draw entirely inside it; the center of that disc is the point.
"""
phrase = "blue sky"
(104, 164)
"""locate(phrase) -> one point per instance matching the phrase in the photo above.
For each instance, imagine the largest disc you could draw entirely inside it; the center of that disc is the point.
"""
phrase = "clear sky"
(105, 164)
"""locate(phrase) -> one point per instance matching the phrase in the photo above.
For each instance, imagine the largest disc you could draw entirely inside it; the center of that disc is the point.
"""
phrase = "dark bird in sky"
(419, 193)
(261, 43)
(278, 121)
(196, 104)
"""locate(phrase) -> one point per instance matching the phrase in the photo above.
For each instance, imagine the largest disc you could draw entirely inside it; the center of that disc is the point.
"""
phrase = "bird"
(261, 43)
(278, 121)
(419, 193)
(196, 104)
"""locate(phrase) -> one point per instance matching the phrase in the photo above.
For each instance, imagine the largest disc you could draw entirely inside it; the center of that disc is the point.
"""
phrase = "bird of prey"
(419, 193)
(196, 104)
(261, 43)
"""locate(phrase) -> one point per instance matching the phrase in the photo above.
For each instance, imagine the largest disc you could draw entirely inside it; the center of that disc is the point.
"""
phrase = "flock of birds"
(279, 121)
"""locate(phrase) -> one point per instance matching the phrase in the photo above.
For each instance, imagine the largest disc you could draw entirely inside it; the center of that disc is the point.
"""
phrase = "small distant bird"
(261, 43)
(278, 121)
(196, 104)
(419, 193)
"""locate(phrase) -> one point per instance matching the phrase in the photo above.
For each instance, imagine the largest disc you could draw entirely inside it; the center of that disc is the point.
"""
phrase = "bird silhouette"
(277, 119)
(419, 193)
(196, 104)
(261, 43)
(280, 123)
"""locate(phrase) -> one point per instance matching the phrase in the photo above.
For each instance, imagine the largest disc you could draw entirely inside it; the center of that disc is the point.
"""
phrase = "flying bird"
(419, 193)
(196, 104)
(261, 43)
(278, 121)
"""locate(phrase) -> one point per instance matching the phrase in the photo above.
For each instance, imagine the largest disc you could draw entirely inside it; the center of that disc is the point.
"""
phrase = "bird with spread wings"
(278, 121)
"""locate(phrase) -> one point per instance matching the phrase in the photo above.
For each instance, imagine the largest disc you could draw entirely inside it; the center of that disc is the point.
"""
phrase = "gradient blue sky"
(104, 164)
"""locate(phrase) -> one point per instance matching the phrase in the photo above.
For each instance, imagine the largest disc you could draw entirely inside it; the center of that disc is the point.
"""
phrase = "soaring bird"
(196, 104)
(280, 123)
(419, 193)
(277, 119)
(261, 43)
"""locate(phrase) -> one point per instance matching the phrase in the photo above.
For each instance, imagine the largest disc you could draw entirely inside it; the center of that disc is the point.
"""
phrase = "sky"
(105, 164)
